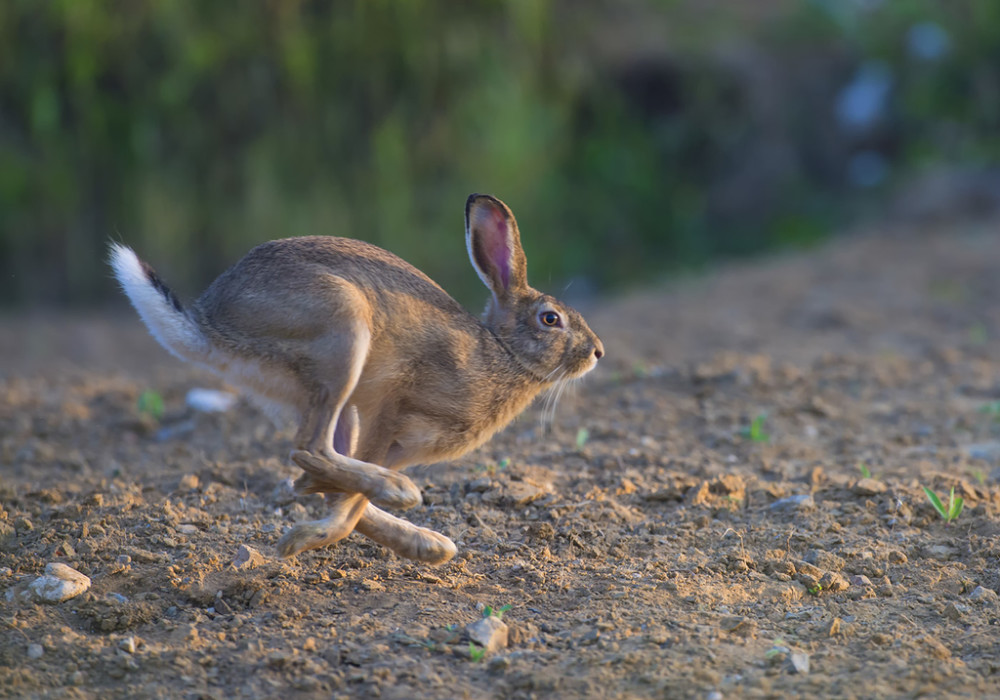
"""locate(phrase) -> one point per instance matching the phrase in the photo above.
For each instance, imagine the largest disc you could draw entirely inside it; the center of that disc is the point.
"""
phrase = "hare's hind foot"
(404, 538)
(347, 510)
(380, 485)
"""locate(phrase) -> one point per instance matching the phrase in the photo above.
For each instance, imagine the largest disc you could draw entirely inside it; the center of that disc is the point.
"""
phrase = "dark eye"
(549, 318)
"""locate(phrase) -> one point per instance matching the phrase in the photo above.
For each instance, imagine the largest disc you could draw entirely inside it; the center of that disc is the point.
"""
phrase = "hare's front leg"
(347, 509)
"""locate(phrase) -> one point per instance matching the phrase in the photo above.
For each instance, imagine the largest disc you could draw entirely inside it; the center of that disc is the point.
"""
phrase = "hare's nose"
(598, 350)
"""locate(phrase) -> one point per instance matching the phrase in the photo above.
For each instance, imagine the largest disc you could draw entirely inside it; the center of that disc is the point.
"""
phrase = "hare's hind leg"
(405, 538)
(336, 364)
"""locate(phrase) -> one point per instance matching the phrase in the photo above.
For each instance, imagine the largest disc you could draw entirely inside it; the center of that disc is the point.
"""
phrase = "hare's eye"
(550, 318)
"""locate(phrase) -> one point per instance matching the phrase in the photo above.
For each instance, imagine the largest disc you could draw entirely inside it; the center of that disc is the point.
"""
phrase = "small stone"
(247, 558)
(371, 585)
(822, 559)
(713, 695)
(23, 525)
(804, 567)
(790, 504)
(860, 580)
(810, 582)
(955, 611)
(834, 628)
(798, 662)
(869, 487)
(737, 624)
(210, 400)
(488, 632)
(59, 583)
(897, 557)
(983, 595)
(833, 581)
(189, 482)
(35, 651)
(522, 493)
(499, 663)
(127, 645)
(989, 451)
(941, 552)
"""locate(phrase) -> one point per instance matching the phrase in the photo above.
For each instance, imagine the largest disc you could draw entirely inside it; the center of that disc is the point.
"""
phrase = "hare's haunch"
(382, 367)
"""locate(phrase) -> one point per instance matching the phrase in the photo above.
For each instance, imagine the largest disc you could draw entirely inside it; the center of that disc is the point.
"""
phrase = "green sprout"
(991, 409)
(954, 508)
(755, 431)
(150, 403)
(497, 613)
(978, 335)
(979, 475)
(865, 471)
(815, 590)
(476, 653)
(491, 469)
(582, 435)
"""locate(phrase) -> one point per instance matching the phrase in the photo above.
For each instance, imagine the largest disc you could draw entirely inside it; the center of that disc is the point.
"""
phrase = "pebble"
(869, 487)
(210, 400)
(127, 645)
(35, 651)
(737, 624)
(799, 662)
(984, 450)
(488, 632)
(794, 503)
(59, 583)
(247, 558)
(955, 611)
(860, 580)
(832, 581)
(983, 595)
(189, 482)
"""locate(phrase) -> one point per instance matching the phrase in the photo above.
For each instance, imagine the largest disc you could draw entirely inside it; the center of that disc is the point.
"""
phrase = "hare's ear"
(495, 245)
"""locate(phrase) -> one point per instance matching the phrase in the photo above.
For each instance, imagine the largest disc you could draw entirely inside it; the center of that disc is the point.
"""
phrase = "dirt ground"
(697, 523)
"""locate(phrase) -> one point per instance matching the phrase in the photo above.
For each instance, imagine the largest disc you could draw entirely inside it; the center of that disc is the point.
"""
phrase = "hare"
(382, 367)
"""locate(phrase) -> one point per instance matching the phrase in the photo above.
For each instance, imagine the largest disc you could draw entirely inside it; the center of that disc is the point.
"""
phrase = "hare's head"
(551, 340)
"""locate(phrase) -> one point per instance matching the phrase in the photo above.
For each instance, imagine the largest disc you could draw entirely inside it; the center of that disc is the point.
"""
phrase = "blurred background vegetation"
(630, 137)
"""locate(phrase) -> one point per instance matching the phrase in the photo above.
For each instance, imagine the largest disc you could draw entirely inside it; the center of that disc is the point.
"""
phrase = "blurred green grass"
(630, 138)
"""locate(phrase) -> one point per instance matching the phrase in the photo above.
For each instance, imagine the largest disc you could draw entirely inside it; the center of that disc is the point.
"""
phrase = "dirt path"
(652, 544)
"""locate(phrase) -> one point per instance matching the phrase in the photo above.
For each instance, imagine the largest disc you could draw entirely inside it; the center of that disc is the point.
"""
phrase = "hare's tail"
(158, 307)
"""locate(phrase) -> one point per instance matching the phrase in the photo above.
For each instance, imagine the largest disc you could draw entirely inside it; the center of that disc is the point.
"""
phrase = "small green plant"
(491, 468)
(498, 612)
(815, 590)
(582, 435)
(150, 403)
(978, 335)
(476, 653)
(865, 471)
(954, 508)
(991, 409)
(979, 475)
(777, 647)
(755, 431)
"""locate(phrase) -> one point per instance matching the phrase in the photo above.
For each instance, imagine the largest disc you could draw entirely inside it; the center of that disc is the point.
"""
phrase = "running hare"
(382, 367)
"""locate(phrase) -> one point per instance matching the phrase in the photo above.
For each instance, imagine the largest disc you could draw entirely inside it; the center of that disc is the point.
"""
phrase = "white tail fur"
(157, 306)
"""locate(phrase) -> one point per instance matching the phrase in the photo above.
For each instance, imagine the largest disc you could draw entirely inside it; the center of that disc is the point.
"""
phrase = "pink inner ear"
(495, 244)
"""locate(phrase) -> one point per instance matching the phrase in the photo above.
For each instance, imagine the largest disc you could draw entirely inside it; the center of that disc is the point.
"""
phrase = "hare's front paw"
(336, 473)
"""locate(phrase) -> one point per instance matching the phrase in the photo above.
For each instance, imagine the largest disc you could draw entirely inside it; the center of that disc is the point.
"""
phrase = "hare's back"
(290, 287)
